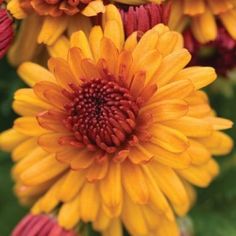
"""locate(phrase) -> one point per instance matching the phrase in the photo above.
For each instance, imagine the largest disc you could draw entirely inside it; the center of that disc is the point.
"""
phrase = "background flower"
(203, 15)
(6, 31)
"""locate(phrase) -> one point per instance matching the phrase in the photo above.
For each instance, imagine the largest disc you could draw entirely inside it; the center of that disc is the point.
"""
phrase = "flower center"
(102, 114)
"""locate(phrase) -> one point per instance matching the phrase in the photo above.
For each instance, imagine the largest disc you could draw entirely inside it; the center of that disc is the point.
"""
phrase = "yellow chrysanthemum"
(117, 132)
(203, 15)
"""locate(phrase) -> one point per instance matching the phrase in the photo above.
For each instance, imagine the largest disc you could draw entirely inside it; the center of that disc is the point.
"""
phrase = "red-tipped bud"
(6, 31)
(40, 225)
(144, 17)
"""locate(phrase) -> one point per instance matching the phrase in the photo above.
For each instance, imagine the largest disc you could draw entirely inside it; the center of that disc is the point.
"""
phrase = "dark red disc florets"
(102, 113)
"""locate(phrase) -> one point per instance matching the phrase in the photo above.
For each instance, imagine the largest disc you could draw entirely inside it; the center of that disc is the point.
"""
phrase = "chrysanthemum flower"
(40, 225)
(220, 53)
(6, 31)
(117, 132)
(203, 15)
(144, 17)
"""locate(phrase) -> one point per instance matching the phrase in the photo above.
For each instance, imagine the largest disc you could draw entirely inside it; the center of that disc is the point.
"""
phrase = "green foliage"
(10, 210)
(215, 213)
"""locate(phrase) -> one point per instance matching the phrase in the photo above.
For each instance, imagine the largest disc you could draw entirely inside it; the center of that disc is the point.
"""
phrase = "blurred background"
(215, 210)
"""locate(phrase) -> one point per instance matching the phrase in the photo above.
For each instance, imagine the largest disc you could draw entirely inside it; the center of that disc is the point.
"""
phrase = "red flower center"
(101, 113)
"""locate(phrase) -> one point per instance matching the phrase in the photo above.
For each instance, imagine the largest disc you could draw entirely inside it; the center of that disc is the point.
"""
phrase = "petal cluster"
(204, 15)
(158, 140)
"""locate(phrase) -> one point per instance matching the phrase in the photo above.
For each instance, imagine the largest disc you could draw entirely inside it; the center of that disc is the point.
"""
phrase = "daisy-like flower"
(203, 15)
(117, 132)
(40, 225)
(6, 30)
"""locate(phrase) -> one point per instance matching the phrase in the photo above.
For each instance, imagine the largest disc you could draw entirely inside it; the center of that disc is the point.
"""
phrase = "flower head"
(6, 31)
(116, 132)
(44, 225)
(203, 15)
(219, 53)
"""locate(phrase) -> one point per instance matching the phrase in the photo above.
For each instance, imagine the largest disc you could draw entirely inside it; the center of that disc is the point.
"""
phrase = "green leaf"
(10, 210)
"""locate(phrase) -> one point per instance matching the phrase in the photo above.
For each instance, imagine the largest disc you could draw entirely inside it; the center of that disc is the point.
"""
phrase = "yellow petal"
(113, 31)
(139, 154)
(171, 65)
(93, 8)
(204, 27)
(147, 43)
(89, 202)
(15, 9)
(29, 126)
(49, 200)
(31, 73)
(133, 218)
(174, 90)
(170, 185)
(28, 104)
(74, 181)
(200, 76)
(220, 123)
(10, 138)
(134, 183)
(218, 143)
(191, 127)
(43, 171)
(59, 48)
(109, 52)
(69, 214)
(169, 138)
(95, 36)
(114, 229)
(198, 153)
(166, 110)
(157, 198)
(111, 190)
(24, 148)
(32, 158)
(228, 19)
(192, 7)
(102, 221)
(178, 161)
(112, 14)
(199, 176)
(52, 28)
(79, 39)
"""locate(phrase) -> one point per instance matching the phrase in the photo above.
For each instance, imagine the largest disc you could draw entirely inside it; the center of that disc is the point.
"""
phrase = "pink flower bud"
(144, 17)
(6, 31)
(40, 225)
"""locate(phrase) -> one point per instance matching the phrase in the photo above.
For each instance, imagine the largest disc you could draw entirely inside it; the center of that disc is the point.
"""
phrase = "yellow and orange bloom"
(44, 21)
(117, 132)
(203, 15)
